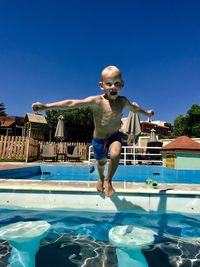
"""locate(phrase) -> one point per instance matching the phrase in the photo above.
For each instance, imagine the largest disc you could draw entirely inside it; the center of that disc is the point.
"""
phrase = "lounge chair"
(48, 152)
(72, 153)
(151, 153)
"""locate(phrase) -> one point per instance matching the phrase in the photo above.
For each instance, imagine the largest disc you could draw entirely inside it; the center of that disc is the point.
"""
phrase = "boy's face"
(112, 86)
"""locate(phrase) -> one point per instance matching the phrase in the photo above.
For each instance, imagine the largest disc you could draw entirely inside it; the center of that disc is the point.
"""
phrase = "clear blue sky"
(55, 50)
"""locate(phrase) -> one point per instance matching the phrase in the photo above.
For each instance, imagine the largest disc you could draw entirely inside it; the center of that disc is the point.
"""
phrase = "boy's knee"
(102, 162)
(115, 154)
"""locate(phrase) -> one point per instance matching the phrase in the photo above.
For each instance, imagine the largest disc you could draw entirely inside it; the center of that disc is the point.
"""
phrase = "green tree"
(2, 109)
(193, 121)
(78, 123)
(180, 124)
(188, 124)
(52, 118)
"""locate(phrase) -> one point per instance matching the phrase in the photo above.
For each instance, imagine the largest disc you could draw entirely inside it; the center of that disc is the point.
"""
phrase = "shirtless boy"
(107, 113)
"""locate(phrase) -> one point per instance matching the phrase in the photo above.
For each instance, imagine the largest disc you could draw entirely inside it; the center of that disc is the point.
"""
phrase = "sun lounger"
(48, 152)
(152, 154)
(72, 153)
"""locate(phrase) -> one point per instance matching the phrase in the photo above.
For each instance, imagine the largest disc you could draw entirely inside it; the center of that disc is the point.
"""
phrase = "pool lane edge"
(82, 195)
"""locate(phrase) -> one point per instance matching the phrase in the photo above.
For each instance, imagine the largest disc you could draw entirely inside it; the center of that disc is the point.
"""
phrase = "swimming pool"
(80, 238)
(124, 173)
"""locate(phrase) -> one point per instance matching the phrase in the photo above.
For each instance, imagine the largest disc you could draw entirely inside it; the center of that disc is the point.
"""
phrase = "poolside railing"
(28, 149)
(135, 155)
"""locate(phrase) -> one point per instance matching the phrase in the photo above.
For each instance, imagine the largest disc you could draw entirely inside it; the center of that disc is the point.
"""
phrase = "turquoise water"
(124, 173)
(81, 238)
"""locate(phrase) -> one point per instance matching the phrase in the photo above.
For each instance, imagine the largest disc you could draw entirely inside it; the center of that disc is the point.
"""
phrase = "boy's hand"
(38, 106)
(150, 112)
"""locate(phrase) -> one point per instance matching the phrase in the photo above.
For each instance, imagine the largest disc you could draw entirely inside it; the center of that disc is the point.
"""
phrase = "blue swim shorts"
(101, 146)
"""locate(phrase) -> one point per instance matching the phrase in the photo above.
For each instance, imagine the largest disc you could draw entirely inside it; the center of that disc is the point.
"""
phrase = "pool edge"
(82, 195)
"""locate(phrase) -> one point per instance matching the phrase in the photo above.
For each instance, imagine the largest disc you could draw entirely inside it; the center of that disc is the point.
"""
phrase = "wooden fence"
(13, 147)
(28, 149)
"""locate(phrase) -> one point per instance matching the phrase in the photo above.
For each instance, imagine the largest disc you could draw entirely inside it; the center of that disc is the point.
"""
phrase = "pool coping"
(90, 186)
(63, 195)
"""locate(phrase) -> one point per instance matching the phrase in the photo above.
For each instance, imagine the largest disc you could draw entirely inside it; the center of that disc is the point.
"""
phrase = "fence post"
(125, 155)
(27, 145)
(134, 162)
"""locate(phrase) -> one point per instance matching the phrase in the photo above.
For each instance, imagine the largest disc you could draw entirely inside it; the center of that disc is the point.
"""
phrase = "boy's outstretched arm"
(65, 104)
(134, 107)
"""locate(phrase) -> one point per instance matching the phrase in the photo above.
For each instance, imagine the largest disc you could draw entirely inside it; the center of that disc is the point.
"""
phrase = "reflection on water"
(80, 239)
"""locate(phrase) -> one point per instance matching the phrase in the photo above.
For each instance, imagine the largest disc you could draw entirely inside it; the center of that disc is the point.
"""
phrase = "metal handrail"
(133, 156)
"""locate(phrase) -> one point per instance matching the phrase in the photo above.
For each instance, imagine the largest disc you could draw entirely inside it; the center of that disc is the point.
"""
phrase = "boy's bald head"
(110, 71)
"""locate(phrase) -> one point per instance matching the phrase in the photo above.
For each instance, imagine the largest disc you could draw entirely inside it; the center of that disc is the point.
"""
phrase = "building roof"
(182, 143)
(153, 125)
(9, 121)
(6, 123)
(31, 117)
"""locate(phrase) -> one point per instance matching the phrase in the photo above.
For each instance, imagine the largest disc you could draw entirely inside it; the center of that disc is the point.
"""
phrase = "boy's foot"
(100, 185)
(92, 169)
(109, 190)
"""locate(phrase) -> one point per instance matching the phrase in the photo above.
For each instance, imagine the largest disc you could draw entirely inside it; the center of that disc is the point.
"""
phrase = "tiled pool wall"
(90, 200)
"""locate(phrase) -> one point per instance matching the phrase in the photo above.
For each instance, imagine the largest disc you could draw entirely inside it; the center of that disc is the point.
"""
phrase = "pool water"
(124, 173)
(78, 238)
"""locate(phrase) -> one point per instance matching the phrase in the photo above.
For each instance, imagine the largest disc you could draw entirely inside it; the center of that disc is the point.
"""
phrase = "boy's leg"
(115, 152)
(101, 166)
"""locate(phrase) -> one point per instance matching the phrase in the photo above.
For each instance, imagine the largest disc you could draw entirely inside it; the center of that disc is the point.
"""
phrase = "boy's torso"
(107, 116)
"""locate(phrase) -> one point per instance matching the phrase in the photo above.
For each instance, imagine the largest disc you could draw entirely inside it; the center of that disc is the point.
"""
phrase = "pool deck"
(173, 197)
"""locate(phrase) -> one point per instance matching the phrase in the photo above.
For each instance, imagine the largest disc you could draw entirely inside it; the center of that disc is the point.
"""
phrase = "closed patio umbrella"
(60, 132)
(153, 137)
(133, 128)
